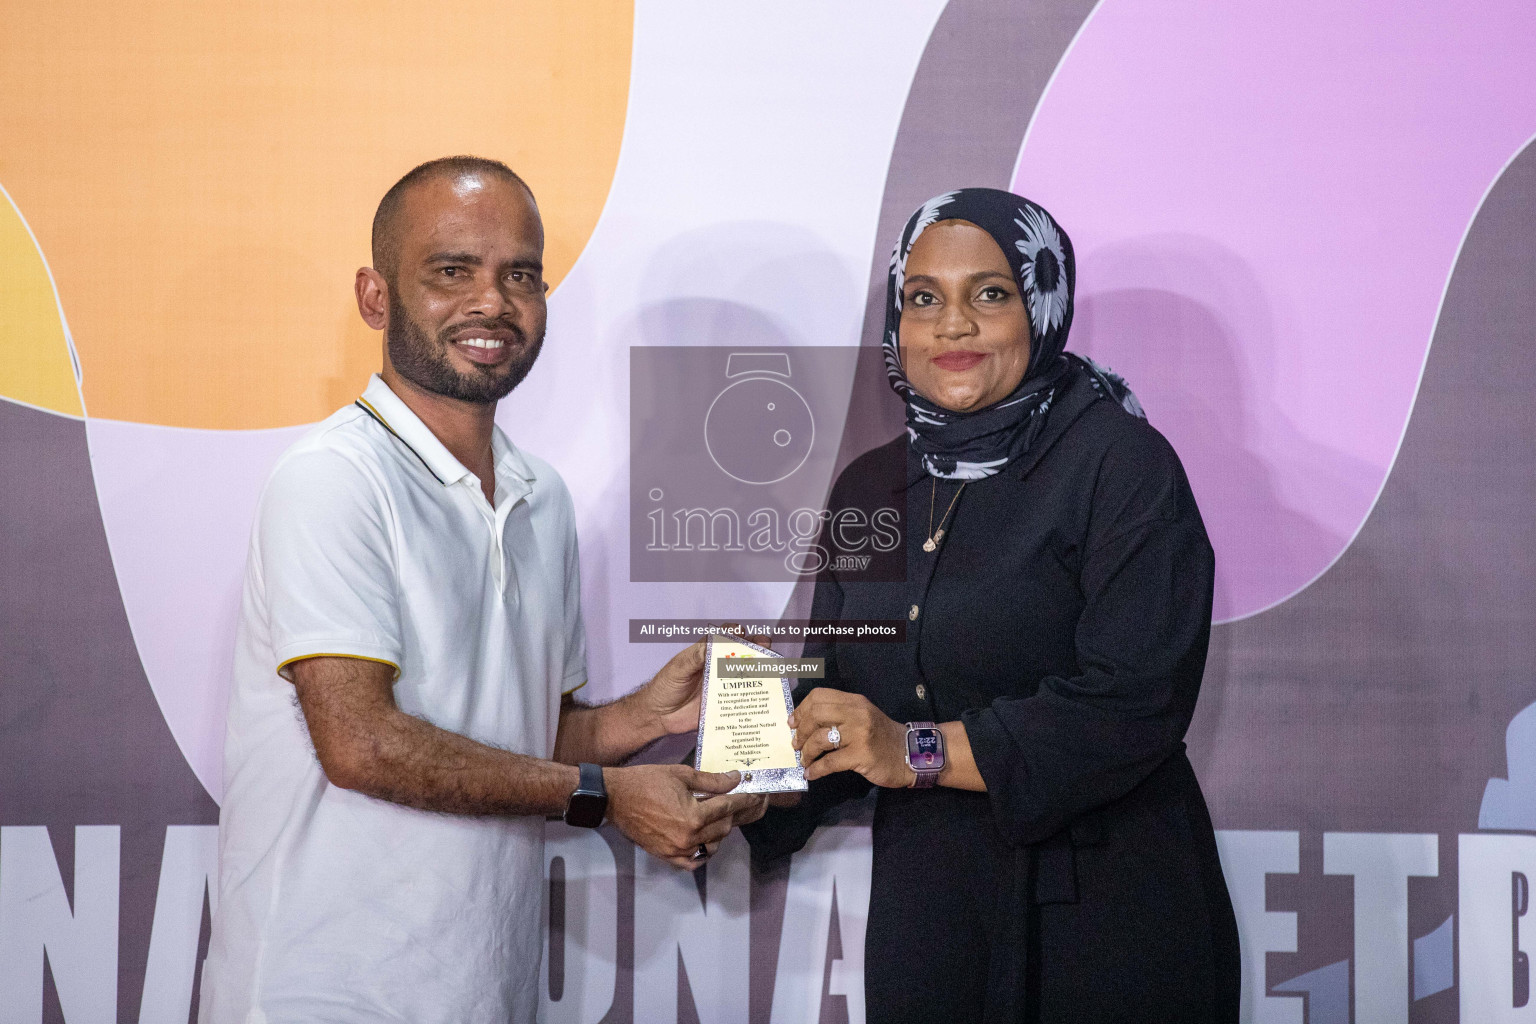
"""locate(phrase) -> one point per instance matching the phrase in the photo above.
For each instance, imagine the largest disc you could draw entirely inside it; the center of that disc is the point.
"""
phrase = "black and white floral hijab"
(972, 445)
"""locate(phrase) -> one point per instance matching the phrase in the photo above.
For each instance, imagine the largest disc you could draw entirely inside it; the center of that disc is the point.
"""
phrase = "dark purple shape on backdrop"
(83, 739)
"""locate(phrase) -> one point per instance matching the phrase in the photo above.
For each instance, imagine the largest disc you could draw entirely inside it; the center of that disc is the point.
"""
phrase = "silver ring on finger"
(834, 737)
(702, 853)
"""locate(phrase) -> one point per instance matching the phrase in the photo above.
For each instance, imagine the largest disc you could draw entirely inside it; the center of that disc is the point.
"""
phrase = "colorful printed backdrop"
(1304, 232)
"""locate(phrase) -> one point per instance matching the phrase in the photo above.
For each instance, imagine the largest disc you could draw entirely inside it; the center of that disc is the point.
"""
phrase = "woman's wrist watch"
(925, 753)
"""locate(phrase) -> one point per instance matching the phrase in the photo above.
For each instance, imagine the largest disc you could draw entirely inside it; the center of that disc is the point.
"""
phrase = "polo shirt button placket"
(498, 559)
(487, 516)
(508, 579)
(507, 571)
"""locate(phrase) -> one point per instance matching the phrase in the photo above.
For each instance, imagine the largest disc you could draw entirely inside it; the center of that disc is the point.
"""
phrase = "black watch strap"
(589, 803)
(592, 780)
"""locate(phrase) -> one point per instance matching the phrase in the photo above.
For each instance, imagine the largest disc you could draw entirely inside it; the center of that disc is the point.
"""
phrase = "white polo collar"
(381, 403)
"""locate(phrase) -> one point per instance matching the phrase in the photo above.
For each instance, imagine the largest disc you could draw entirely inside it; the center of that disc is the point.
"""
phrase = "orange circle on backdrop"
(202, 177)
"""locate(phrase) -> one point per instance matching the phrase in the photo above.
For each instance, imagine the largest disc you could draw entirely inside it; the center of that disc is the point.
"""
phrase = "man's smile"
(487, 347)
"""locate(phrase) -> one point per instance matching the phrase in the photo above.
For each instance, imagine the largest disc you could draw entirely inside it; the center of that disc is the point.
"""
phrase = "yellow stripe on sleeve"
(328, 654)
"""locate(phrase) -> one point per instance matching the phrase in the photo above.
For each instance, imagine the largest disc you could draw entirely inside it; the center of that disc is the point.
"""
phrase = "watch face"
(586, 810)
(925, 749)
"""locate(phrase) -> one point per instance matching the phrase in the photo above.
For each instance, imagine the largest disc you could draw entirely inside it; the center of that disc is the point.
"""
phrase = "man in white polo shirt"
(401, 722)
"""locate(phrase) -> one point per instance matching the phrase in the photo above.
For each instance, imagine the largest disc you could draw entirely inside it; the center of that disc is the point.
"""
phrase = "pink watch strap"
(925, 778)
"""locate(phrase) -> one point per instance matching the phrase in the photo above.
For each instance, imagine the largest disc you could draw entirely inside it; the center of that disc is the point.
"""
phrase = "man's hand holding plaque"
(744, 716)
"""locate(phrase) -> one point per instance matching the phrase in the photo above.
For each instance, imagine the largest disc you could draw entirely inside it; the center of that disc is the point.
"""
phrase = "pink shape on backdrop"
(177, 505)
(1266, 200)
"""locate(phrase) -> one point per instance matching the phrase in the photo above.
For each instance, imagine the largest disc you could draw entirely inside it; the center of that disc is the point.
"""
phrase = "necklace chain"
(932, 543)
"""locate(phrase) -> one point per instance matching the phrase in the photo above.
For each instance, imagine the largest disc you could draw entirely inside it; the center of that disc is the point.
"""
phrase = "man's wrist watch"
(925, 753)
(589, 803)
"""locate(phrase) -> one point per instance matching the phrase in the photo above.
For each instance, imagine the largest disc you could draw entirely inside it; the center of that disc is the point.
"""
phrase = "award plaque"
(744, 721)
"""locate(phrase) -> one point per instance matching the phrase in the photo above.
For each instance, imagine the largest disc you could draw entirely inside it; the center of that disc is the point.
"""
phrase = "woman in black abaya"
(1061, 865)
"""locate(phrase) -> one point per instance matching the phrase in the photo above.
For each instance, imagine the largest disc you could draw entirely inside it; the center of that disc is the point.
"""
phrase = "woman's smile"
(958, 361)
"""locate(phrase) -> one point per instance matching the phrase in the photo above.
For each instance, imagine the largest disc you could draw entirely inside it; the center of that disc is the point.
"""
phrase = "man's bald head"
(387, 220)
(457, 284)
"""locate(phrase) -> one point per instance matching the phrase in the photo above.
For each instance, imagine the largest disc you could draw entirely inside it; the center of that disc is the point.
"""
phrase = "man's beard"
(425, 364)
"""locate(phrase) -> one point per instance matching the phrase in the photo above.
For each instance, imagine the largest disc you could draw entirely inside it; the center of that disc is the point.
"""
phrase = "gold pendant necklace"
(932, 543)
